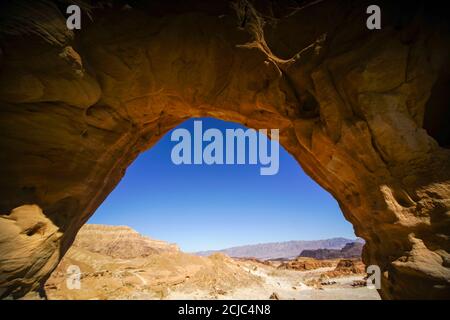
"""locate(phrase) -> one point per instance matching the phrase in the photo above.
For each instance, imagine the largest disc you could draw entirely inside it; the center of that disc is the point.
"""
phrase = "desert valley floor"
(119, 263)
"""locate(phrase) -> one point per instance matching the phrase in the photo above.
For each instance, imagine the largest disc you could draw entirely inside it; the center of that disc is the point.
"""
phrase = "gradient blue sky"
(203, 207)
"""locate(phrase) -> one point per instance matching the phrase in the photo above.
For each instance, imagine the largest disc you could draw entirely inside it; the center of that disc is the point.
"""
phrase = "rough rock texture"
(303, 264)
(29, 244)
(78, 107)
(342, 268)
(347, 267)
(149, 269)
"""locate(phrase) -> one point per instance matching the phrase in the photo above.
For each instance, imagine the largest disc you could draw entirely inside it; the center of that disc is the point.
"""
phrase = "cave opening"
(154, 184)
(222, 220)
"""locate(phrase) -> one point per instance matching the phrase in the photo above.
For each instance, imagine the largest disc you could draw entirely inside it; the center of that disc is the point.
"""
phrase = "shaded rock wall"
(77, 108)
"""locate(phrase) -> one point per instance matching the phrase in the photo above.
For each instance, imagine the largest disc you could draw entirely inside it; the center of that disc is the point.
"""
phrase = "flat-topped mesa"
(120, 242)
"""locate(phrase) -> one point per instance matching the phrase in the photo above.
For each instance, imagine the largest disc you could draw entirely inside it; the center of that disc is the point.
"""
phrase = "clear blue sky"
(203, 207)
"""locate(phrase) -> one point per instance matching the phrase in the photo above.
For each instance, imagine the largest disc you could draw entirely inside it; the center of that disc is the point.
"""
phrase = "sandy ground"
(183, 276)
(118, 263)
(288, 285)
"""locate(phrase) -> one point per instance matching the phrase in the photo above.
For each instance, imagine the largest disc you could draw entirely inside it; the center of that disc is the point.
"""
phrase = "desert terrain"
(119, 263)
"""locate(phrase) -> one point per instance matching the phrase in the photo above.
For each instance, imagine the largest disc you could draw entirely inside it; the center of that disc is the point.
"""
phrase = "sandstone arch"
(77, 109)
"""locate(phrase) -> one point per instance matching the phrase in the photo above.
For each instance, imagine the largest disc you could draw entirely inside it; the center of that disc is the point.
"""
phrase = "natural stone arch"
(349, 104)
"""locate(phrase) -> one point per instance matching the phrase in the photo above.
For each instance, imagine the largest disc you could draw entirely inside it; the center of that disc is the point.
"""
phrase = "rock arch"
(76, 109)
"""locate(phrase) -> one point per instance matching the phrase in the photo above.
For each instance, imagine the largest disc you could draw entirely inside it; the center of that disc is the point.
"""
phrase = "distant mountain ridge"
(281, 250)
(350, 250)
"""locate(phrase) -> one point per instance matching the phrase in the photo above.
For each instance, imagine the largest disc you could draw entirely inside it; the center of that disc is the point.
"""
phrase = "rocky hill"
(350, 250)
(116, 262)
(119, 242)
(281, 250)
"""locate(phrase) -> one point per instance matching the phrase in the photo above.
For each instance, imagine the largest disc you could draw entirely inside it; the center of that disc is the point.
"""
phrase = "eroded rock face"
(141, 268)
(29, 245)
(120, 242)
(303, 264)
(77, 108)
